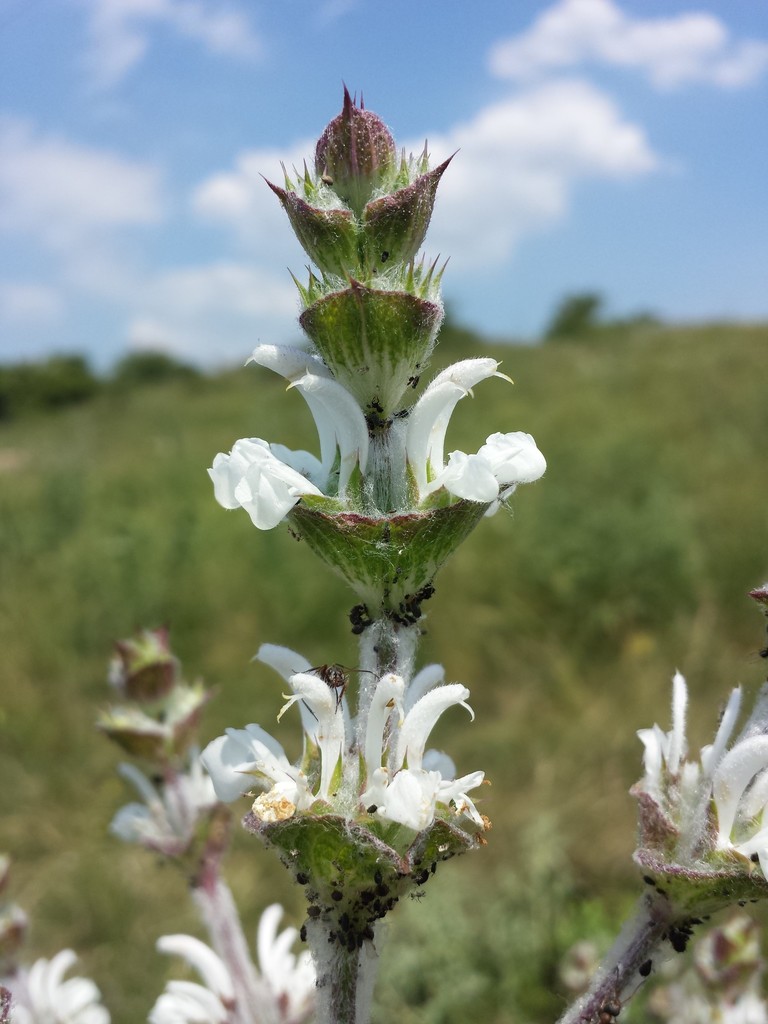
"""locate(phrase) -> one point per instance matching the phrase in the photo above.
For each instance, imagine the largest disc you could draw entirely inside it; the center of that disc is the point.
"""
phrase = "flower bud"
(355, 153)
(329, 237)
(143, 668)
(163, 738)
(394, 225)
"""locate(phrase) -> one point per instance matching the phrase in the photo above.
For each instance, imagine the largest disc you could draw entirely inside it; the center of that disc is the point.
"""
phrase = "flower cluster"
(268, 480)
(284, 984)
(707, 817)
(41, 994)
(387, 777)
(163, 713)
(371, 315)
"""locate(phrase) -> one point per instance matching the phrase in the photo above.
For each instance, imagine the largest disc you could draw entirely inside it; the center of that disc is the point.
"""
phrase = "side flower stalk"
(703, 840)
(181, 818)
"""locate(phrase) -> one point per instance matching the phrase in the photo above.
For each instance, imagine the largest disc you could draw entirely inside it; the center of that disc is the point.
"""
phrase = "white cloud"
(214, 313)
(119, 32)
(518, 162)
(63, 194)
(672, 51)
(241, 200)
(26, 304)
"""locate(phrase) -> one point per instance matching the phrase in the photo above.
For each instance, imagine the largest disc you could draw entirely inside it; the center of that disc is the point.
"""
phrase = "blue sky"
(610, 145)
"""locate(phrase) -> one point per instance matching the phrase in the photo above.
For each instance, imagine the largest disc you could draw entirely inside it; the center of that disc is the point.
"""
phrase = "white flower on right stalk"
(717, 804)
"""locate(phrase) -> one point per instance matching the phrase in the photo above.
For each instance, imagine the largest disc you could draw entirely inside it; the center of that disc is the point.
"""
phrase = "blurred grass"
(566, 619)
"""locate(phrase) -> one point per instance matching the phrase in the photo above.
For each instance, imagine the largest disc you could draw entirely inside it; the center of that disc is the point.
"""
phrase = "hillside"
(566, 618)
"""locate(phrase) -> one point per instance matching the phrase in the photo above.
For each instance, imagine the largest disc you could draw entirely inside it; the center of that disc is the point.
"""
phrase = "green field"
(566, 618)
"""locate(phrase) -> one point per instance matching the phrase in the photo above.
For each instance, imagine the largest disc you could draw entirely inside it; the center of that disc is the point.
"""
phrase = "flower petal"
(336, 414)
(677, 745)
(428, 422)
(731, 778)
(387, 698)
(421, 719)
(253, 478)
(202, 958)
(241, 757)
(329, 731)
(467, 476)
(513, 458)
(289, 361)
(425, 679)
(410, 798)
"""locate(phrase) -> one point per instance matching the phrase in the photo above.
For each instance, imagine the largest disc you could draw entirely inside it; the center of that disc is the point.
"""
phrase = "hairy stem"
(345, 978)
(384, 647)
(217, 909)
(628, 962)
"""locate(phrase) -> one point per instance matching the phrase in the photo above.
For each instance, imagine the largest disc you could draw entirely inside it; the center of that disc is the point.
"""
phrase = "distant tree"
(151, 367)
(575, 316)
(50, 384)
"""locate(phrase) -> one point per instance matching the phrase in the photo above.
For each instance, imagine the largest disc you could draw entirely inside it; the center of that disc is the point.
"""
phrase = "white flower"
(513, 458)
(388, 761)
(186, 1002)
(425, 679)
(490, 475)
(253, 478)
(428, 422)
(291, 978)
(42, 996)
(387, 699)
(281, 993)
(288, 663)
(167, 819)
(734, 780)
(246, 757)
(340, 423)
(329, 733)
(467, 476)
(409, 799)
(410, 795)
(421, 720)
